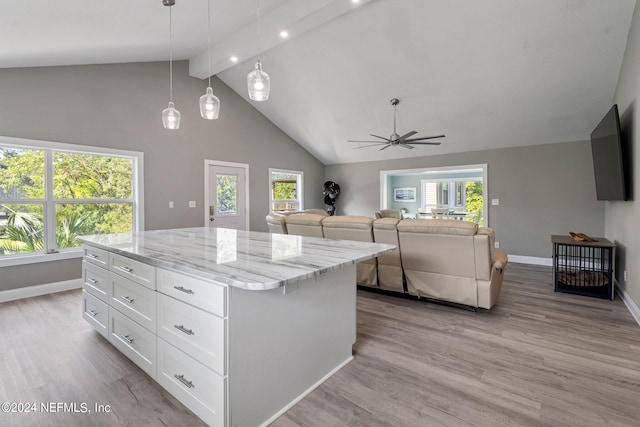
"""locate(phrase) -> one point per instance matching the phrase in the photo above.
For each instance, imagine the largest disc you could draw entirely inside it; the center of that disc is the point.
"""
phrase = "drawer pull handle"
(92, 256)
(181, 328)
(94, 281)
(93, 313)
(126, 269)
(128, 299)
(184, 381)
(185, 290)
(127, 339)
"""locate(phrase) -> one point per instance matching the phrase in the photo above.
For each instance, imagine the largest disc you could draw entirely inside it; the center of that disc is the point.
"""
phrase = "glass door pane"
(226, 194)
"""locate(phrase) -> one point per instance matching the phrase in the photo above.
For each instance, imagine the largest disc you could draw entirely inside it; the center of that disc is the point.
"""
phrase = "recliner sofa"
(447, 260)
(451, 260)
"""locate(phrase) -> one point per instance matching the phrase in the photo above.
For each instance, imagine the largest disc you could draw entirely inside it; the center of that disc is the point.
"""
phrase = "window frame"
(299, 186)
(49, 203)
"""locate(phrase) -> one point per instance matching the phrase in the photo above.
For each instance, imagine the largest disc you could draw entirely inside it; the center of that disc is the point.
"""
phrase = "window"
(443, 194)
(52, 193)
(285, 190)
(467, 196)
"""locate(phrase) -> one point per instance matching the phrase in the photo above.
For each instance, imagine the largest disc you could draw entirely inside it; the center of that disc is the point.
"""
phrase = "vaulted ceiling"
(487, 73)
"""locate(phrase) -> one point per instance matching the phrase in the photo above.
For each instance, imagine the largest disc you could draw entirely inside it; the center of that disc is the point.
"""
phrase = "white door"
(227, 195)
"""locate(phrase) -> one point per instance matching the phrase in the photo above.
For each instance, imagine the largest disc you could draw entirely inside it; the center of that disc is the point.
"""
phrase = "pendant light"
(258, 82)
(170, 116)
(209, 103)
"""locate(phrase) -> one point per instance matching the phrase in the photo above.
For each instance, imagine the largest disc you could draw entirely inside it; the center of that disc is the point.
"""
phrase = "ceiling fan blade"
(407, 135)
(372, 142)
(385, 147)
(381, 137)
(367, 146)
(403, 145)
(423, 143)
(423, 138)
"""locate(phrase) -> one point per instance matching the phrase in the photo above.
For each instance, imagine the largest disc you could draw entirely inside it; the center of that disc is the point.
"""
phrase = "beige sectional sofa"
(440, 259)
(358, 228)
(451, 260)
(277, 224)
(390, 274)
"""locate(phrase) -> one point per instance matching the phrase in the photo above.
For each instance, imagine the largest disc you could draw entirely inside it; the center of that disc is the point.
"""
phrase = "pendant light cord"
(170, 58)
(258, 8)
(209, 36)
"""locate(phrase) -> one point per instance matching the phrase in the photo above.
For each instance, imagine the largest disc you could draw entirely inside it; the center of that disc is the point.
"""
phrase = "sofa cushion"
(348, 221)
(386, 224)
(438, 226)
(305, 219)
(309, 211)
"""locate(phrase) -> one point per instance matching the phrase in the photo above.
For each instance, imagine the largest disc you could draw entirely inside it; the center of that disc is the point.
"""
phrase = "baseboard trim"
(631, 305)
(531, 260)
(305, 393)
(35, 291)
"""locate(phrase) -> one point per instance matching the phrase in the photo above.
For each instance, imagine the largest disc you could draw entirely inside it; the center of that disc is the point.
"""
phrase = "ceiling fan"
(404, 141)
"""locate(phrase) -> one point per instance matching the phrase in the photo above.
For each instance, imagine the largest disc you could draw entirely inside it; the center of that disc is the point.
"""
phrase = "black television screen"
(606, 146)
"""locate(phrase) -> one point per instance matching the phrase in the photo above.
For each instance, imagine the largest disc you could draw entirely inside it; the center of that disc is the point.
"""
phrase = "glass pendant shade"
(209, 105)
(171, 117)
(258, 83)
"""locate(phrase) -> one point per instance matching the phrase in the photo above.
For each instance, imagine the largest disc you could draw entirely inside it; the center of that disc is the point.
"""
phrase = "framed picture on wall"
(404, 194)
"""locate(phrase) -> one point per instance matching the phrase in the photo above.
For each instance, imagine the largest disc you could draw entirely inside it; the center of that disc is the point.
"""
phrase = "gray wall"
(119, 106)
(543, 190)
(621, 222)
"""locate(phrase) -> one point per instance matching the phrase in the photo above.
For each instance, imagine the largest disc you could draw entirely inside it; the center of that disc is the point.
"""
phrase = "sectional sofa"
(439, 259)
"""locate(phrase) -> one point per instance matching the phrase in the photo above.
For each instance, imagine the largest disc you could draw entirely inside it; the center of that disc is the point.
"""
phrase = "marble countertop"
(244, 259)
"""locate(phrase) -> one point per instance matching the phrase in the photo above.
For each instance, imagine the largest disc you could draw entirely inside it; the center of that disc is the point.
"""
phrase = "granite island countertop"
(244, 259)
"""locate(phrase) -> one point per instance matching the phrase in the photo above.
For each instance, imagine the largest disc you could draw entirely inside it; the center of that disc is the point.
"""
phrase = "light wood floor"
(538, 358)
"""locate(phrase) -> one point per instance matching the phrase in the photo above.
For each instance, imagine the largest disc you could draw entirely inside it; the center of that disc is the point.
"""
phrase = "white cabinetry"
(95, 312)
(234, 356)
(177, 334)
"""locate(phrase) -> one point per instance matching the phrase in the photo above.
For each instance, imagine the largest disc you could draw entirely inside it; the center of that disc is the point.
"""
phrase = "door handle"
(212, 210)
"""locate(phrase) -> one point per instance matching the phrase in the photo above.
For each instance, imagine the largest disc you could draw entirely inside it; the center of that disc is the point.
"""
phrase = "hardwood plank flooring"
(538, 358)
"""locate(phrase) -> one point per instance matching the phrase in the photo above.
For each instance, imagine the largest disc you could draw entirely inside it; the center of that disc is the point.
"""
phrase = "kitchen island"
(238, 326)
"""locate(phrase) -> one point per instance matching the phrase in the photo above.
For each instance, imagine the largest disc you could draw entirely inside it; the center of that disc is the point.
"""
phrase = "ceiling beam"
(295, 16)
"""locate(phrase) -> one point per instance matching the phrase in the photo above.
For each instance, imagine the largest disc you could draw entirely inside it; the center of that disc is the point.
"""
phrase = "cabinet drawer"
(133, 341)
(199, 334)
(131, 269)
(95, 280)
(208, 296)
(95, 312)
(197, 387)
(134, 300)
(96, 256)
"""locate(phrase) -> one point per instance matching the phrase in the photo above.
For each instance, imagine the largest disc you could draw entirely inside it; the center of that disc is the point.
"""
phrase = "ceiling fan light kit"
(404, 141)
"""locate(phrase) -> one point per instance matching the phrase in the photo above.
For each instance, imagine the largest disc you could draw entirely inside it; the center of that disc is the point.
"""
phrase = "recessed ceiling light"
(234, 59)
(284, 34)
(355, 1)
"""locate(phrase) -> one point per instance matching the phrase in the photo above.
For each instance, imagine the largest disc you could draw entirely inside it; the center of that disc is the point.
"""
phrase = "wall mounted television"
(608, 164)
